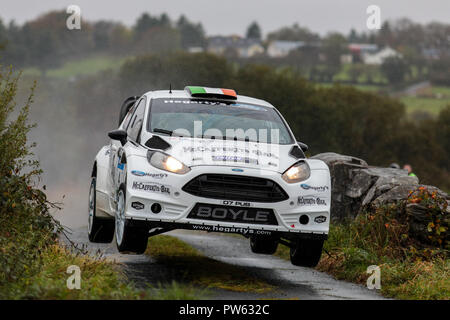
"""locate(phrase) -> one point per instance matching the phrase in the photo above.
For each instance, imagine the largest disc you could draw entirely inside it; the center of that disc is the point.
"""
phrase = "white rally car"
(210, 160)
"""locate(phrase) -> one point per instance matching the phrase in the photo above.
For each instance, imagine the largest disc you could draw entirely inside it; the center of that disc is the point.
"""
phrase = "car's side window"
(136, 121)
(129, 115)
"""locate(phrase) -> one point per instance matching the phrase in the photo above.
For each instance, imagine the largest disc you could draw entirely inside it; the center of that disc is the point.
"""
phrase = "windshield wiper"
(169, 132)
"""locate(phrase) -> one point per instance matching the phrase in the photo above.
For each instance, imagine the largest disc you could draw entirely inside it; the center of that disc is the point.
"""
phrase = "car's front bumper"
(176, 204)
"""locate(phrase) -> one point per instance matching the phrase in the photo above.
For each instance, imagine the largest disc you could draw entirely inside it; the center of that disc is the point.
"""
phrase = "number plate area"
(247, 215)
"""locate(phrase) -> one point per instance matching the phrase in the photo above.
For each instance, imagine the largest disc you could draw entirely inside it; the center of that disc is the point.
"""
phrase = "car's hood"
(200, 152)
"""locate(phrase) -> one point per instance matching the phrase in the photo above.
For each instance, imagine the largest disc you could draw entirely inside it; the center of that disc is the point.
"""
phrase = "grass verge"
(191, 266)
(100, 279)
(409, 277)
(408, 270)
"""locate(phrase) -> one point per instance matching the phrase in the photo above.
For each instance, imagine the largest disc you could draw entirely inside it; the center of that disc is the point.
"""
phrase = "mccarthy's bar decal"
(151, 187)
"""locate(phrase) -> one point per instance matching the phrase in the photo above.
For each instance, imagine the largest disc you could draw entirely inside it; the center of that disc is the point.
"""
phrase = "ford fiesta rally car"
(209, 160)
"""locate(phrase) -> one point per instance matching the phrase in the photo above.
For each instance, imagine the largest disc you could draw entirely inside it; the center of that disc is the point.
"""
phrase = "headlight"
(298, 172)
(165, 162)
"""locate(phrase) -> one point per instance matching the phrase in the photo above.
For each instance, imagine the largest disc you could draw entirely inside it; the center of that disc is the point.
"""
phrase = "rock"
(330, 158)
(401, 192)
(355, 184)
(343, 192)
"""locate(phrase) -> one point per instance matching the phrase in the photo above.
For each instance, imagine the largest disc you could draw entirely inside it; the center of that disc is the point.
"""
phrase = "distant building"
(362, 48)
(379, 57)
(195, 49)
(431, 53)
(281, 48)
(243, 47)
(357, 50)
(346, 58)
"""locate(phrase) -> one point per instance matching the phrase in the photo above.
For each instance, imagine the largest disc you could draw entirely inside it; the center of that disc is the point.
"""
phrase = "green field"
(438, 100)
(80, 67)
(431, 105)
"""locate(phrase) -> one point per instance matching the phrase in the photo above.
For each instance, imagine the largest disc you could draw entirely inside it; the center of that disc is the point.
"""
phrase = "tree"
(192, 35)
(353, 36)
(394, 69)
(355, 71)
(159, 40)
(294, 33)
(3, 35)
(385, 35)
(144, 23)
(439, 71)
(102, 34)
(334, 45)
(254, 31)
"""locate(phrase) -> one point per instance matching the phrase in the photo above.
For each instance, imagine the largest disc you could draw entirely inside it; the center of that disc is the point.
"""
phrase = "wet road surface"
(290, 282)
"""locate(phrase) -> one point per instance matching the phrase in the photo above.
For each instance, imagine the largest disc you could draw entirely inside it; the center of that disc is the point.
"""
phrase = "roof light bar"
(205, 92)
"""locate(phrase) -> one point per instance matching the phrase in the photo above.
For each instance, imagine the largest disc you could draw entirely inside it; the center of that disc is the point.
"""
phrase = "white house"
(379, 57)
(281, 48)
(245, 48)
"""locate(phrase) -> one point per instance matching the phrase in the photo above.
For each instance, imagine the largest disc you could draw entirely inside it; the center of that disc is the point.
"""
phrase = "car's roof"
(184, 94)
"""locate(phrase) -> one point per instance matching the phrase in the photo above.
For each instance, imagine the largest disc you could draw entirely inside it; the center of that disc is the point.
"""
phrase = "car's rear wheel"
(263, 245)
(306, 252)
(129, 238)
(100, 230)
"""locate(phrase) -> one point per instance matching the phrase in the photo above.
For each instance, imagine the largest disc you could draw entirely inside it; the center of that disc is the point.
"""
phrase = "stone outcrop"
(355, 184)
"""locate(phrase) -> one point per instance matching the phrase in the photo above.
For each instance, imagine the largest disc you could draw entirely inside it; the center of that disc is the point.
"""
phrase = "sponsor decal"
(235, 214)
(309, 201)
(137, 205)
(229, 150)
(237, 170)
(248, 106)
(151, 187)
(319, 189)
(151, 175)
(243, 231)
(236, 203)
(320, 219)
(138, 173)
(218, 103)
(235, 159)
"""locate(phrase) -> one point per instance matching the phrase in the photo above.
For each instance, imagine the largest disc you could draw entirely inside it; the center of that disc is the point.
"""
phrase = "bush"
(26, 225)
(409, 268)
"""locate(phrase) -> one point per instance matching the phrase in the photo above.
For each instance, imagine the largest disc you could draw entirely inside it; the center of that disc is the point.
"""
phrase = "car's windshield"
(217, 119)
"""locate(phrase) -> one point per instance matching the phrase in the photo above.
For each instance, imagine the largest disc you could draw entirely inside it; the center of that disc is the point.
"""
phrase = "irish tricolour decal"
(204, 91)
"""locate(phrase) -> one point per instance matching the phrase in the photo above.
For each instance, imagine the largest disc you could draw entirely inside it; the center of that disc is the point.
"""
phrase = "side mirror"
(120, 135)
(303, 146)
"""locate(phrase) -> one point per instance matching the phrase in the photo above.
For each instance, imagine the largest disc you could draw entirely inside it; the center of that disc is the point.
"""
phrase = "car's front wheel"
(306, 252)
(129, 238)
(100, 230)
(263, 245)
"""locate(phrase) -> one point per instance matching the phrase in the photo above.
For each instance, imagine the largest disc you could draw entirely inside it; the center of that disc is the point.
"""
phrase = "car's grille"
(235, 187)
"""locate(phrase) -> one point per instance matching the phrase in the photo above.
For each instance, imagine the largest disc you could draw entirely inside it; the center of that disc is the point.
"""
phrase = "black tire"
(134, 238)
(100, 230)
(306, 252)
(263, 245)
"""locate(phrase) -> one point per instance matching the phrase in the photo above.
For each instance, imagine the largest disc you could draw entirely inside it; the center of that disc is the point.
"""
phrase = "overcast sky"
(233, 16)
